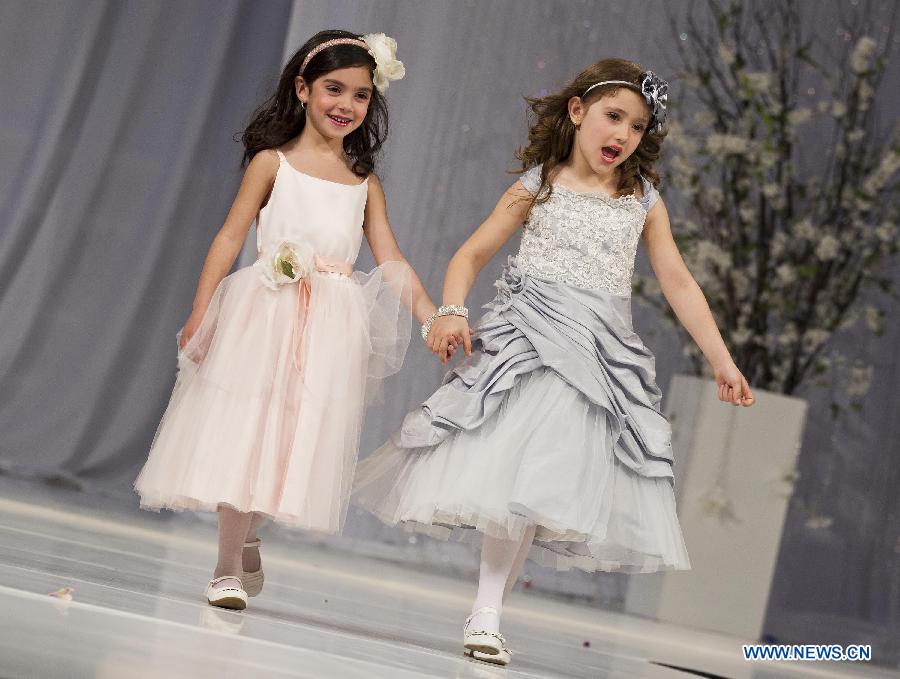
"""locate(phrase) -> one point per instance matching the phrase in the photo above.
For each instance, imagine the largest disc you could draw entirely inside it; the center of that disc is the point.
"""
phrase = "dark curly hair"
(281, 118)
(551, 136)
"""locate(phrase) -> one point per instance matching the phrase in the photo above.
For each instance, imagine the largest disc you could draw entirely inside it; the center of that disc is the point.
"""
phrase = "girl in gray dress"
(548, 438)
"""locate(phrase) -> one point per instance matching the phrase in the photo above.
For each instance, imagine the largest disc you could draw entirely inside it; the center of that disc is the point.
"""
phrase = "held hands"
(733, 387)
(448, 332)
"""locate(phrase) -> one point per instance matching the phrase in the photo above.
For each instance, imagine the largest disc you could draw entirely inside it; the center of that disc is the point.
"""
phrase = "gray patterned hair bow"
(655, 91)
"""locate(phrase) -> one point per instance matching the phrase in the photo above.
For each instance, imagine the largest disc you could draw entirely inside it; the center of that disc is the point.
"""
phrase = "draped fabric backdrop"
(118, 166)
(117, 169)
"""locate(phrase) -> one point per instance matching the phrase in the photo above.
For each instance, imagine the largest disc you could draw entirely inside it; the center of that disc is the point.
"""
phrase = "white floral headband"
(655, 91)
(382, 48)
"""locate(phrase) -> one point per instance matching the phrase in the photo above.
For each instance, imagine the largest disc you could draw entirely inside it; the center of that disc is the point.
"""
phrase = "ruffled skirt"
(270, 395)
(542, 427)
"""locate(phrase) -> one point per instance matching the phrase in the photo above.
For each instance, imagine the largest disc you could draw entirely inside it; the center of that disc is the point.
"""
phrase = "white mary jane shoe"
(234, 598)
(481, 643)
(501, 658)
(252, 582)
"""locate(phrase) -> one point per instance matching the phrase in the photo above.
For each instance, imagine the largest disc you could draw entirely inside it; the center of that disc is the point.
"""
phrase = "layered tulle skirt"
(554, 422)
(270, 395)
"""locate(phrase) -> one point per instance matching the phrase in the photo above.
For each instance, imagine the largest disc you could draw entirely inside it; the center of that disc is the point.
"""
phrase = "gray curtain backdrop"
(118, 167)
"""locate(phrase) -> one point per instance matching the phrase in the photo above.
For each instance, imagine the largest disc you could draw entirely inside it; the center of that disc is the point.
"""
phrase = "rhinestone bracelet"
(446, 310)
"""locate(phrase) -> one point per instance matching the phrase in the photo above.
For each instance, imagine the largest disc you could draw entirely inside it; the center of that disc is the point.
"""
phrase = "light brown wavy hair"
(552, 135)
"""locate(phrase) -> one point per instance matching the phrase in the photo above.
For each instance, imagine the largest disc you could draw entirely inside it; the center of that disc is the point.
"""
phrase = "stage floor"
(138, 611)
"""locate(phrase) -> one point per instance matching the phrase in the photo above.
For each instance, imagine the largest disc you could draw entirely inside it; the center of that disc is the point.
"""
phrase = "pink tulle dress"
(271, 390)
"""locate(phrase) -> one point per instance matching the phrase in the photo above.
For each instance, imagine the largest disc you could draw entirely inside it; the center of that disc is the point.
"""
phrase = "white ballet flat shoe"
(253, 582)
(480, 641)
(234, 598)
(502, 658)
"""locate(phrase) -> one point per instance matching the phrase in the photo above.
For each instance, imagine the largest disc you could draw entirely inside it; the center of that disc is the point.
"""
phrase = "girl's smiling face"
(338, 101)
(610, 128)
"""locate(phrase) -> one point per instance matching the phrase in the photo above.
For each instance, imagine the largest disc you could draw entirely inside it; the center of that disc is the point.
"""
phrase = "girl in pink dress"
(277, 360)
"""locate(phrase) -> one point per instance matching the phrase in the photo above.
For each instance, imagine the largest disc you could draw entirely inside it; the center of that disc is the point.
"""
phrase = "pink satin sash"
(323, 265)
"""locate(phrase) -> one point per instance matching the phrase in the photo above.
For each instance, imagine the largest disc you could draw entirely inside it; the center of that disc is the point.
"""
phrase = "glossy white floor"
(137, 611)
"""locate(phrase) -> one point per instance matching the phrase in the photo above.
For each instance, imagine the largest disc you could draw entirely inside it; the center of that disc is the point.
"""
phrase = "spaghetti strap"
(280, 156)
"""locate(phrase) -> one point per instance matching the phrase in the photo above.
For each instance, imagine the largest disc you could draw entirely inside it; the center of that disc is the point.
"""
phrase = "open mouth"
(339, 121)
(610, 153)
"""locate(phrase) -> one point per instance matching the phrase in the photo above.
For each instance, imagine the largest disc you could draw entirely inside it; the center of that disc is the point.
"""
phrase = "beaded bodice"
(588, 240)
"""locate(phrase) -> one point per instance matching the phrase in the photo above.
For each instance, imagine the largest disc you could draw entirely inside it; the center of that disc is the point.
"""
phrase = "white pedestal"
(747, 452)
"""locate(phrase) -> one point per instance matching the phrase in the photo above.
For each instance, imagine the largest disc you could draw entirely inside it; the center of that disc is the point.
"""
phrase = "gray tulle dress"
(554, 420)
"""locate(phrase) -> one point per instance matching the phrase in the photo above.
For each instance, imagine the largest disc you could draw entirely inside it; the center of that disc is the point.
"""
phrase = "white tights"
(501, 561)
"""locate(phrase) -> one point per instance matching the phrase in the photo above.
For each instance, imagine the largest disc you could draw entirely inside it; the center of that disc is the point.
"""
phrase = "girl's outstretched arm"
(255, 186)
(690, 306)
(385, 249)
(469, 260)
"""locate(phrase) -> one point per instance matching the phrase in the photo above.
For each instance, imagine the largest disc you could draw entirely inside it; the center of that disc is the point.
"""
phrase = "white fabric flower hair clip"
(387, 67)
(383, 50)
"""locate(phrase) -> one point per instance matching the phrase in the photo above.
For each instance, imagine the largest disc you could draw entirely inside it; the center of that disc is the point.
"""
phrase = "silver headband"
(610, 82)
(655, 91)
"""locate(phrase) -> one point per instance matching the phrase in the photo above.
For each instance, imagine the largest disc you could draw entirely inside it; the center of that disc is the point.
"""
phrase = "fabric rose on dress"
(387, 67)
(509, 284)
(288, 263)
